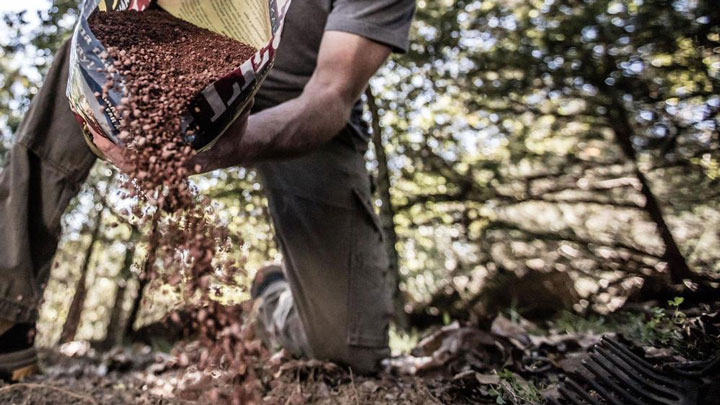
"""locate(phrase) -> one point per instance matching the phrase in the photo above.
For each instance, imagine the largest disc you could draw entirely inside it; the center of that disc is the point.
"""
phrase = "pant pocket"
(369, 304)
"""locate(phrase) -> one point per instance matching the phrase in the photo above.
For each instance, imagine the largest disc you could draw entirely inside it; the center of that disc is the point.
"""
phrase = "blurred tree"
(640, 72)
(534, 136)
(116, 328)
(387, 211)
(72, 322)
(143, 284)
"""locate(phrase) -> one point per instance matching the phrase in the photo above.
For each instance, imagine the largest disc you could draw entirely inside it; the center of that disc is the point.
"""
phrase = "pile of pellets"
(164, 62)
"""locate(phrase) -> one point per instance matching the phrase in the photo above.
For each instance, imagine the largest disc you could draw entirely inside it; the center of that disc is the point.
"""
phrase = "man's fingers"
(199, 163)
(208, 160)
(245, 114)
(216, 156)
(248, 107)
(202, 162)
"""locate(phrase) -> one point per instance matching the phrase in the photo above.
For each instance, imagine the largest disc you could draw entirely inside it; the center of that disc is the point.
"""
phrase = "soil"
(88, 379)
(41, 394)
(512, 361)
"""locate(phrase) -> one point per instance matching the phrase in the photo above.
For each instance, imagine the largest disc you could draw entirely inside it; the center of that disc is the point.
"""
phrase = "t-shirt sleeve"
(383, 21)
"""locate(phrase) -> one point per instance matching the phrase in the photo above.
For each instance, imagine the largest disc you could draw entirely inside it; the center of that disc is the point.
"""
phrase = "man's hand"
(225, 145)
(117, 155)
(113, 153)
(345, 64)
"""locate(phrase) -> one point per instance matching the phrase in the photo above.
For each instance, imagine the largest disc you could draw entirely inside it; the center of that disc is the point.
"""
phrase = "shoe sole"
(18, 365)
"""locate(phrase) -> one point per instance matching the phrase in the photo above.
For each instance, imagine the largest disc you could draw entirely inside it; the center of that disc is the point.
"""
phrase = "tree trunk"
(144, 275)
(115, 328)
(387, 213)
(135, 310)
(677, 265)
(72, 322)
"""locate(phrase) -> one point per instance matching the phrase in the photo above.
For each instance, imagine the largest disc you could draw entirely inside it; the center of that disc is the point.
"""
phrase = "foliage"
(668, 327)
(27, 45)
(514, 389)
(553, 136)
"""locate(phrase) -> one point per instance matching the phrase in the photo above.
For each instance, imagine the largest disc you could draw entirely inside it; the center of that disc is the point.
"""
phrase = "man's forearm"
(294, 127)
(345, 64)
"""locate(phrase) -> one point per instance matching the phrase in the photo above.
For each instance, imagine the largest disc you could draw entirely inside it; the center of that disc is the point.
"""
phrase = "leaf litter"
(511, 361)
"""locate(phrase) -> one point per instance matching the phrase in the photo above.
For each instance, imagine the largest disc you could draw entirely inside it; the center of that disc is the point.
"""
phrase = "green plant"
(570, 322)
(678, 317)
(515, 389)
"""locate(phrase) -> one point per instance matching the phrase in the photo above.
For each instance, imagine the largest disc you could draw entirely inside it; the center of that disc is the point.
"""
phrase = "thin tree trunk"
(387, 213)
(115, 329)
(269, 244)
(623, 131)
(144, 275)
(72, 322)
(135, 310)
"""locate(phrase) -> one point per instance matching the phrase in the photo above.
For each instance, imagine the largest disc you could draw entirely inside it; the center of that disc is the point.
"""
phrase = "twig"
(352, 382)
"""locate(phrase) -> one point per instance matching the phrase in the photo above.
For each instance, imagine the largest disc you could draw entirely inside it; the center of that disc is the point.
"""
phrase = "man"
(307, 140)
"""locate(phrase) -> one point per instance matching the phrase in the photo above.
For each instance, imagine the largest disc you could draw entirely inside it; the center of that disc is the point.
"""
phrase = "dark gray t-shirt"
(383, 21)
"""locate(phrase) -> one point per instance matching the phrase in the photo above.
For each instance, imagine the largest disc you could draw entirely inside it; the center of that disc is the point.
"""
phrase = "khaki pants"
(338, 307)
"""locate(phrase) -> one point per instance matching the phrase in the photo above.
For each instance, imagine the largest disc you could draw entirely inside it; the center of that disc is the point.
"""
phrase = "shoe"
(18, 358)
(264, 278)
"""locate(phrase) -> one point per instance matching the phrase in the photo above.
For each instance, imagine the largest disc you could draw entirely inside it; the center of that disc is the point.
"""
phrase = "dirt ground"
(87, 380)
(445, 369)
(512, 361)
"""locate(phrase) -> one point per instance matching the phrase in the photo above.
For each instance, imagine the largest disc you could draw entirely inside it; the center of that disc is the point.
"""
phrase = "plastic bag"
(255, 22)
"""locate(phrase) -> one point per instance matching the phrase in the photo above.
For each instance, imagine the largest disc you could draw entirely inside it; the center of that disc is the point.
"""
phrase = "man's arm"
(345, 64)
